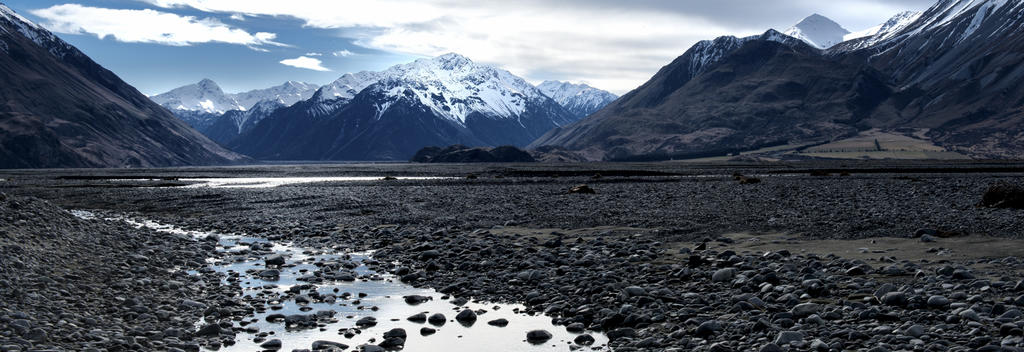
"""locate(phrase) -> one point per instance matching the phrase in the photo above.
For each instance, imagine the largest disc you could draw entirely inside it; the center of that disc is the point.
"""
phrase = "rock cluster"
(646, 298)
(72, 284)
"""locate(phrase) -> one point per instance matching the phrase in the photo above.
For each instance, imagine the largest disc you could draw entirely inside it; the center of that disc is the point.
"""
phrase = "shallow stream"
(370, 294)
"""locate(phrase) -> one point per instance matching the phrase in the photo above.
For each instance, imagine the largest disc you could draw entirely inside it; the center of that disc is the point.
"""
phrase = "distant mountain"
(579, 99)
(389, 115)
(818, 31)
(286, 94)
(233, 123)
(204, 96)
(202, 104)
(350, 84)
(58, 108)
(952, 73)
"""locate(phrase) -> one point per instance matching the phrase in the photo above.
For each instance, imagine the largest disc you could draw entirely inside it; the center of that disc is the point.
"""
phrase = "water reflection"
(369, 294)
(269, 182)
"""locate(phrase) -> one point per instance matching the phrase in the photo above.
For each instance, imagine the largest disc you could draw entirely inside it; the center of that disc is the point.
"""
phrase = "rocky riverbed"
(657, 258)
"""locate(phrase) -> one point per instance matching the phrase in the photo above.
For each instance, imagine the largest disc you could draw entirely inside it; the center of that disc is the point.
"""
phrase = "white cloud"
(321, 13)
(614, 45)
(314, 54)
(238, 17)
(343, 53)
(306, 63)
(147, 26)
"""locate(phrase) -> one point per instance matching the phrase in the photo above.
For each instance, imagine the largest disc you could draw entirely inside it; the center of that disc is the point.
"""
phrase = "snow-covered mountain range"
(207, 97)
(579, 98)
(450, 86)
(444, 100)
(818, 31)
(286, 94)
(454, 87)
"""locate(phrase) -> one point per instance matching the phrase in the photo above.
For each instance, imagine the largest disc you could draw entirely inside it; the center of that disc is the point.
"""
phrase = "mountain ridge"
(444, 100)
(948, 72)
(61, 109)
(206, 96)
(579, 99)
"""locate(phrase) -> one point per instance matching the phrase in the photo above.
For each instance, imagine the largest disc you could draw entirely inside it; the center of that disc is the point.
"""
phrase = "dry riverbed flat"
(838, 255)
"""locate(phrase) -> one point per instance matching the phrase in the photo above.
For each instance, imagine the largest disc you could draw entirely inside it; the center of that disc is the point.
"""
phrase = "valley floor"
(890, 255)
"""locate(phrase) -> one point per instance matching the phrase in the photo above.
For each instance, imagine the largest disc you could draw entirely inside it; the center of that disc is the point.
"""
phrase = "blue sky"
(157, 45)
(155, 68)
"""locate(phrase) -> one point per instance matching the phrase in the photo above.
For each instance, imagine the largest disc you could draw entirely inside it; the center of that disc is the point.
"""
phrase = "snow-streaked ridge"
(256, 113)
(34, 32)
(349, 84)
(888, 29)
(966, 15)
(946, 11)
(707, 52)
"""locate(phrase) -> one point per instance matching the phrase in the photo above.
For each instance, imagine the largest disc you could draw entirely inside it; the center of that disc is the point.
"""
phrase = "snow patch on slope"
(255, 114)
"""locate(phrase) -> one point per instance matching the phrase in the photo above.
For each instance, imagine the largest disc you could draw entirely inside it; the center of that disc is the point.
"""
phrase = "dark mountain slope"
(761, 93)
(961, 68)
(58, 108)
(954, 73)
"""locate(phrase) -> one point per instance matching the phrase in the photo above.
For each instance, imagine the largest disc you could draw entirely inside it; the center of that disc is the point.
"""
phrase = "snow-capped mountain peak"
(580, 99)
(452, 61)
(204, 96)
(208, 85)
(818, 31)
(451, 85)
